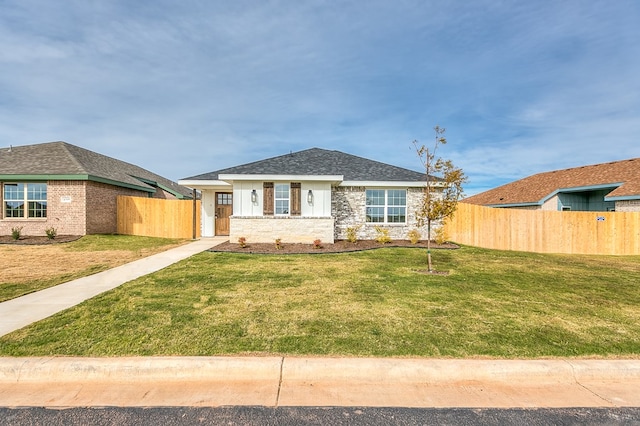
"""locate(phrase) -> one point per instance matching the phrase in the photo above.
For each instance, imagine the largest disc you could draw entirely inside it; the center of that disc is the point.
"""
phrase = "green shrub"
(51, 232)
(16, 232)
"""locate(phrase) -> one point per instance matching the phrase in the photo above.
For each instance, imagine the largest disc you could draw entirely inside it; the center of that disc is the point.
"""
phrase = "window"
(25, 200)
(282, 198)
(224, 198)
(386, 205)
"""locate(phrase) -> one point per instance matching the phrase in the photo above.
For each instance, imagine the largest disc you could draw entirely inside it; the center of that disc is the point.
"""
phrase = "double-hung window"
(282, 198)
(25, 200)
(386, 205)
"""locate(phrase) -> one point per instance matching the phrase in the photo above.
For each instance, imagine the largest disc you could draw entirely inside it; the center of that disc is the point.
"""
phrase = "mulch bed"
(340, 246)
(37, 240)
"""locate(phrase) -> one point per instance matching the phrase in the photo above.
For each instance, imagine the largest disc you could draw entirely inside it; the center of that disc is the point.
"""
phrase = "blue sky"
(187, 87)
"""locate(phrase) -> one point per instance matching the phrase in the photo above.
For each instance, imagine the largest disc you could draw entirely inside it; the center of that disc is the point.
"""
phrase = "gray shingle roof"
(64, 159)
(316, 161)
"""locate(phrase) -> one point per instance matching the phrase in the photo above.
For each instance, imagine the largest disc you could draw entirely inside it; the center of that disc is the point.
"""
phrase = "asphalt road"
(231, 416)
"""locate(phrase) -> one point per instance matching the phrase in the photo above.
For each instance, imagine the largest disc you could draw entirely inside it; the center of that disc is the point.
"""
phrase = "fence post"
(194, 213)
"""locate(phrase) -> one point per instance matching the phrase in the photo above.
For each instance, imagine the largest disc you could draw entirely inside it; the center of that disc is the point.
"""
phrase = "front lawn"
(29, 268)
(374, 303)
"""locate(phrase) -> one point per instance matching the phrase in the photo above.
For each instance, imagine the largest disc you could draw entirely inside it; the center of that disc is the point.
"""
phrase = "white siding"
(243, 207)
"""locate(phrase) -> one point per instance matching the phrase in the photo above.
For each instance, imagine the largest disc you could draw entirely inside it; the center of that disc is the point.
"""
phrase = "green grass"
(131, 243)
(375, 303)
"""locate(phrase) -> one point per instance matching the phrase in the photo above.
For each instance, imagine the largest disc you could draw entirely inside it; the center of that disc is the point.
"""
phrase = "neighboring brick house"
(308, 195)
(62, 186)
(611, 186)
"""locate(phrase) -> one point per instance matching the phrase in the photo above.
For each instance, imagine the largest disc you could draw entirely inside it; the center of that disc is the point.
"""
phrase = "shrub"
(317, 244)
(242, 241)
(440, 235)
(16, 232)
(383, 235)
(352, 234)
(51, 233)
(414, 236)
(278, 243)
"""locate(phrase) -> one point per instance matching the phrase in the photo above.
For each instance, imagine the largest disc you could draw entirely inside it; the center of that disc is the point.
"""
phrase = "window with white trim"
(25, 200)
(386, 205)
(282, 198)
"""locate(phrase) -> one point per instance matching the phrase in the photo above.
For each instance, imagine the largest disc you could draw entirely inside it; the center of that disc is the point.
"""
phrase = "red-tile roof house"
(611, 186)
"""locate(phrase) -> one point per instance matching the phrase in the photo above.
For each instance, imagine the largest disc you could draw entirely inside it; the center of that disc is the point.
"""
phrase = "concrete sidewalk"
(22, 311)
(277, 381)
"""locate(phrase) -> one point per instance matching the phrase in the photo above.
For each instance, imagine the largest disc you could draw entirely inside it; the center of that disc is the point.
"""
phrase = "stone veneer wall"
(290, 229)
(348, 206)
(628, 206)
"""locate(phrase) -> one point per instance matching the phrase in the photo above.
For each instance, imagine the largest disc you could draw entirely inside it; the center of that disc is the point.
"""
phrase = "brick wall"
(66, 206)
(102, 206)
(65, 211)
(76, 208)
(628, 206)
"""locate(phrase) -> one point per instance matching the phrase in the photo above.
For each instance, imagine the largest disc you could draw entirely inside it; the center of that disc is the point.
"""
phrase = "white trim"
(275, 198)
(385, 207)
(204, 184)
(390, 184)
(294, 178)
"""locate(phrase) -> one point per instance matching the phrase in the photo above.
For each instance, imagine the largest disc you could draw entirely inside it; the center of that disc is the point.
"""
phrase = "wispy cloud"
(184, 88)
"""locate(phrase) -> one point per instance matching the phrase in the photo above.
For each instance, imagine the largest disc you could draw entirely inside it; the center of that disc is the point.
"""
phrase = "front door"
(224, 209)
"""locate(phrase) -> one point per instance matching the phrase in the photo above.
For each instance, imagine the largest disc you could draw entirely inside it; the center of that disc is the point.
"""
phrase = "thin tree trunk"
(429, 245)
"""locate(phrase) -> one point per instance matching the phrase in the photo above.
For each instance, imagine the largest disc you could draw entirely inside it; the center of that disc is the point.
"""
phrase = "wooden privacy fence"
(152, 217)
(540, 231)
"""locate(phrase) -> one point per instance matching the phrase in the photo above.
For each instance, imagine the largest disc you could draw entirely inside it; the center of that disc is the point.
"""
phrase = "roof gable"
(69, 161)
(623, 177)
(321, 162)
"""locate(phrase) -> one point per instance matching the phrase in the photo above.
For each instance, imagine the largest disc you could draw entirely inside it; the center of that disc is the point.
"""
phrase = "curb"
(138, 369)
(320, 382)
(361, 370)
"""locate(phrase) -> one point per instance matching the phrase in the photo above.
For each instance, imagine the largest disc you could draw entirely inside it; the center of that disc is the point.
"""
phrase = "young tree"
(440, 197)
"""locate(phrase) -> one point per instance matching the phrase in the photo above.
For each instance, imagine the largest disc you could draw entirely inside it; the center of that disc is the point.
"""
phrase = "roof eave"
(623, 198)
(99, 179)
(204, 183)
(29, 177)
(509, 205)
(390, 183)
(26, 178)
(228, 177)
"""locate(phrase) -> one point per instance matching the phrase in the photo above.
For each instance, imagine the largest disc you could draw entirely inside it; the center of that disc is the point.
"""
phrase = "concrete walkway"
(25, 310)
(278, 382)
(291, 381)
